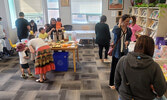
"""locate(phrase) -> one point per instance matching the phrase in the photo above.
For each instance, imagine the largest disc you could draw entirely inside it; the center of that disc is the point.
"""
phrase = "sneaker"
(30, 75)
(24, 76)
(106, 61)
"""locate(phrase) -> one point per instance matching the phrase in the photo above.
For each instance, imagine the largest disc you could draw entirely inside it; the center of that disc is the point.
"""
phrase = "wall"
(4, 13)
(65, 14)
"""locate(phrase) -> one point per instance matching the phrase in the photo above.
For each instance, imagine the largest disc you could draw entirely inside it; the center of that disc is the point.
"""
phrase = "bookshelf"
(149, 18)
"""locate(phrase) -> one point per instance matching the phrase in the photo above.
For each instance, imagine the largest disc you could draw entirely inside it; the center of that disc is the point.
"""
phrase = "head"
(103, 19)
(125, 19)
(59, 19)
(21, 14)
(133, 18)
(52, 21)
(42, 30)
(0, 18)
(31, 37)
(145, 45)
(32, 22)
(46, 26)
(20, 47)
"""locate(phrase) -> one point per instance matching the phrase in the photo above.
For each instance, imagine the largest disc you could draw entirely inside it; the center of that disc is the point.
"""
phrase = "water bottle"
(69, 37)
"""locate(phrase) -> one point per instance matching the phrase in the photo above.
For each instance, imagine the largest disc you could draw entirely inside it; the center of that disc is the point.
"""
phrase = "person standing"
(103, 37)
(52, 27)
(136, 29)
(122, 38)
(43, 57)
(23, 27)
(138, 76)
(33, 27)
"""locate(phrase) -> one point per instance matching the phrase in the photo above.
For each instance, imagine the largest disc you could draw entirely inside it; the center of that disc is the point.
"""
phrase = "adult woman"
(43, 59)
(137, 75)
(122, 35)
(33, 26)
(102, 36)
(136, 29)
(52, 27)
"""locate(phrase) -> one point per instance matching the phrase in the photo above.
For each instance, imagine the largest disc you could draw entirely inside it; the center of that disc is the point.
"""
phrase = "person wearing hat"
(21, 48)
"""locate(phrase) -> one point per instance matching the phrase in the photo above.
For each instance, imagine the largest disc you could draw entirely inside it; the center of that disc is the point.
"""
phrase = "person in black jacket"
(52, 27)
(137, 75)
(33, 26)
(103, 37)
(121, 48)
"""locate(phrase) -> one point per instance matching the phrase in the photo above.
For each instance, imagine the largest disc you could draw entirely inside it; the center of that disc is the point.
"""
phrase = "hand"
(52, 29)
(126, 44)
(120, 22)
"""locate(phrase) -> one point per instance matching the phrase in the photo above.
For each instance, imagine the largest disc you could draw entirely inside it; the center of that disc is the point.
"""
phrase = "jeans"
(101, 50)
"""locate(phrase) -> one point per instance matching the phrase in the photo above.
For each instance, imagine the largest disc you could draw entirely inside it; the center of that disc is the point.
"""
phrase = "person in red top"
(59, 27)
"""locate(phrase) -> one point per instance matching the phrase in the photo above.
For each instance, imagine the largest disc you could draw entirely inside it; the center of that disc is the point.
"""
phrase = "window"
(88, 11)
(12, 13)
(53, 9)
(33, 10)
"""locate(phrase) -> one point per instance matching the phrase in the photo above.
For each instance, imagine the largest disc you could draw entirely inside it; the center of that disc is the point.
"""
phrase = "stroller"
(1, 51)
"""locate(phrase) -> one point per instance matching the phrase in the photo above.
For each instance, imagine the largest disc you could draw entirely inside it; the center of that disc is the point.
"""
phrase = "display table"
(74, 50)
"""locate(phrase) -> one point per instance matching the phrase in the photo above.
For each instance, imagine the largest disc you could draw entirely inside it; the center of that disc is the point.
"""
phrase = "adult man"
(23, 27)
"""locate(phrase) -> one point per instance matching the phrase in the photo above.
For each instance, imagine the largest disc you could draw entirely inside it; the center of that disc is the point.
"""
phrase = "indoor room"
(83, 50)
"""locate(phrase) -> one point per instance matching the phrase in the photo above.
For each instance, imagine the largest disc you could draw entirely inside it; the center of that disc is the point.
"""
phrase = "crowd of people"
(135, 75)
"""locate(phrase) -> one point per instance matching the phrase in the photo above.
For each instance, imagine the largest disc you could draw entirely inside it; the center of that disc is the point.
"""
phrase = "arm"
(28, 27)
(26, 57)
(96, 29)
(108, 32)
(159, 82)
(31, 49)
(51, 31)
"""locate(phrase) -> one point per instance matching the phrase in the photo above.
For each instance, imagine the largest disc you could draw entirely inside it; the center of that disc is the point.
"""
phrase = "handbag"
(113, 46)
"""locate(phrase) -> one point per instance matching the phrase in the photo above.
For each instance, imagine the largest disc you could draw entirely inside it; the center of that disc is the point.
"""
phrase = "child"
(23, 60)
(42, 33)
(59, 28)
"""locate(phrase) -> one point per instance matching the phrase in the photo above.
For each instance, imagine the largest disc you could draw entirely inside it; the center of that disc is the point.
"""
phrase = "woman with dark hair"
(137, 75)
(103, 37)
(52, 27)
(122, 35)
(43, 57)
(33, 26)
(136, 29)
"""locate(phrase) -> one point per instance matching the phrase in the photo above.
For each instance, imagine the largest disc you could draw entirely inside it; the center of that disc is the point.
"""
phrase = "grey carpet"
(90, 82)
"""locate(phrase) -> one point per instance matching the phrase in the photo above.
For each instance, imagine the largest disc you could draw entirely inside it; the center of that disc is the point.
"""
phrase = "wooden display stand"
(152, 20)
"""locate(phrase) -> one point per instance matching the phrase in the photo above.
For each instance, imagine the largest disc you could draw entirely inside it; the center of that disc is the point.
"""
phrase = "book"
(154, 25)
(154, 14)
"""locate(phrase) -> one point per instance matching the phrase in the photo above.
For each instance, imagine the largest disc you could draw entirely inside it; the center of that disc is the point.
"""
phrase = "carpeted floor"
(90, 82)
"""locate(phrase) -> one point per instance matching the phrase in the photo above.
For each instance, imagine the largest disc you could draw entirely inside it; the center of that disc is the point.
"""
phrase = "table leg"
(74, 62)
(77, 55)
